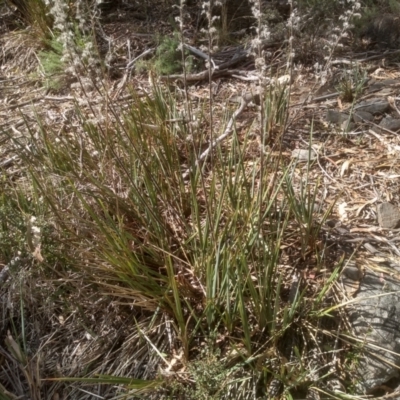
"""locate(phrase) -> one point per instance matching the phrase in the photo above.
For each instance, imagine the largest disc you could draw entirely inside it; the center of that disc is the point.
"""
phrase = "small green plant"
(275, 108)
(11, 225)
(210, 377)
(352, 84)
(52, 65)
(168, 58)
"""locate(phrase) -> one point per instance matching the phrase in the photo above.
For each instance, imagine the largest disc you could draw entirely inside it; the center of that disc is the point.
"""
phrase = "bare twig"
(218, 70)
(145, 53)
(219, 139)
(196, 52)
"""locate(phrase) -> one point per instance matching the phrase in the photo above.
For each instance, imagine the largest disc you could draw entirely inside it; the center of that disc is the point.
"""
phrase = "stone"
(373, 106)
(362, 116)
(375, 85)
(348, 126)
(352, 272)
(304, 154)
(388, 216)
(336, 117)
(252, 97)
(393, 124)
(375, 318)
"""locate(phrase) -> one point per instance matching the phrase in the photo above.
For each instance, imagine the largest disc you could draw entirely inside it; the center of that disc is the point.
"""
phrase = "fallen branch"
(145, 53)
(222, 69)
(201, 76)
(197, 52)
(227, 132)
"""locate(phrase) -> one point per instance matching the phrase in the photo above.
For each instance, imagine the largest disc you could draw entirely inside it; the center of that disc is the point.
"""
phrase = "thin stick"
(219, 139)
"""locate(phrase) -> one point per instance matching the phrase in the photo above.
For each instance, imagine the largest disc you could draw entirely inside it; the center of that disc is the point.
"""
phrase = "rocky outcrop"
(375, 318)
(374, 311)
(375, 110)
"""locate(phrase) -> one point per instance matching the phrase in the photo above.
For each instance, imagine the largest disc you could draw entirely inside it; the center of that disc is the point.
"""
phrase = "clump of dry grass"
(140, 264)
(146, 279)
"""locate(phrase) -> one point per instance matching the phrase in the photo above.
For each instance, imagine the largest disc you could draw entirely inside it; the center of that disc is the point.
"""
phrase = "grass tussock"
(128, 245)
(149, 258)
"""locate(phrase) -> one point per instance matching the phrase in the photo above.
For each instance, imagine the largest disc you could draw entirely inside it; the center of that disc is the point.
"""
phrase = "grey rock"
(361, 116)
(393, 124)
(373, 106)
(336, 117)
(370, 248)
(252, 97)
(348, 126)
(388, 216)
(342, 230)
(385, 92)
(375, 318)
(331, 223)
(352, 272)
(248, 97)
(374, 85)
(304, 154)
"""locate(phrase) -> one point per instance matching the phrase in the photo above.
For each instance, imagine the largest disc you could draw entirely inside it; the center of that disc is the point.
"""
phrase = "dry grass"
(151, 272)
